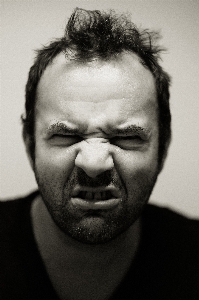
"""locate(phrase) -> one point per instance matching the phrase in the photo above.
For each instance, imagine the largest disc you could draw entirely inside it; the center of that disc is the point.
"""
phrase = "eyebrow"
(60, 127)
(131, 129)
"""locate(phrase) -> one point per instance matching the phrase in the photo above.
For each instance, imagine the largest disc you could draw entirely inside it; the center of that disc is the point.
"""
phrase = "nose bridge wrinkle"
(95, 147)
(96, 140)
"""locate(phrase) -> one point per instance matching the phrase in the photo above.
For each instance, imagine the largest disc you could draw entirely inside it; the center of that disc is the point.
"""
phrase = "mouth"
(104, 195)
(100, 193)
(88, 198)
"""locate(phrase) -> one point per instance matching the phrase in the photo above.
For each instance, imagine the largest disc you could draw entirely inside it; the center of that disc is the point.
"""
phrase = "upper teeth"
(96, 195)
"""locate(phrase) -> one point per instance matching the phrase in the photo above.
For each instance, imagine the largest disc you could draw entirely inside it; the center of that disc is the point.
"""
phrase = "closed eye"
(128, 142)
(64, 140)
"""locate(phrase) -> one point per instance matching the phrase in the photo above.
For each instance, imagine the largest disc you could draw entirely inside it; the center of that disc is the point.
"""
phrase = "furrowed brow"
(61, 128)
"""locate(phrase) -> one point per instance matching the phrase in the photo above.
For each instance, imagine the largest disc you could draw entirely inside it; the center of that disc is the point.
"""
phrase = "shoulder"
(167, 221)
(172, 241)
(14, 212)
(17, 203)
(21, 268)
(168, 260)
(175, 232)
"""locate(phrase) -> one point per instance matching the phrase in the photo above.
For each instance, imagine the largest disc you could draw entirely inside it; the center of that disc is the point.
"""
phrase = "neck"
(66, 256)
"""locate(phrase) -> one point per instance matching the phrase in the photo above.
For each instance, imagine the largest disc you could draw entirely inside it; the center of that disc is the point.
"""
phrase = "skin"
(86, 250)
(96, 99)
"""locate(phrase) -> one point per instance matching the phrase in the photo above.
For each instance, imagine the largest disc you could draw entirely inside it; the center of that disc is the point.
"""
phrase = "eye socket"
(64, 140)
(128, 142)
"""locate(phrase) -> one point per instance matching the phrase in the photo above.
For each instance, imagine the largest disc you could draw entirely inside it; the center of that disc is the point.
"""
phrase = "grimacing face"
(96, 144)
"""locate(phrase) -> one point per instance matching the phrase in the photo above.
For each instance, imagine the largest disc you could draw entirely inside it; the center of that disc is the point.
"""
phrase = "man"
(97, 131)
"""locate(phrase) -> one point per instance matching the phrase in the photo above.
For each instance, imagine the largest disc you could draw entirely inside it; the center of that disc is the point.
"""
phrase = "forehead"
(80, 92)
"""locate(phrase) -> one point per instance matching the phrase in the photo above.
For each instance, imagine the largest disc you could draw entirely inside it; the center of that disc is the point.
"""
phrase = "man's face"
(96, 151)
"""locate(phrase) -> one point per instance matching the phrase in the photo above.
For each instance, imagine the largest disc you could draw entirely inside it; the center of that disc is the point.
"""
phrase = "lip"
(95, 204)
(77, 189)
(85, 204)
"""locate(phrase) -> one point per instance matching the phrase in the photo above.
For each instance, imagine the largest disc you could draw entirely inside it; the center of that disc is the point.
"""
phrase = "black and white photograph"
(99, 159)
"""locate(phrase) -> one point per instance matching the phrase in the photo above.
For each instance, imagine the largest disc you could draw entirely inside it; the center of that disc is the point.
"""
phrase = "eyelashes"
(124, 142)
(64, 140)
(127, 142)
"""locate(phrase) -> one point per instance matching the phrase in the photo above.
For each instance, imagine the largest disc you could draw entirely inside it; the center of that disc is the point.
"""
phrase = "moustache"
(79, 177)
(103, 179)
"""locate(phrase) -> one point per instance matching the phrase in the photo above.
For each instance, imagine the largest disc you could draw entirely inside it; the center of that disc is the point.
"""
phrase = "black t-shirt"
(166, 265)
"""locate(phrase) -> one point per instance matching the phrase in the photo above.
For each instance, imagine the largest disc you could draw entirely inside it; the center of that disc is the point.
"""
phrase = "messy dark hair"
(99, 35)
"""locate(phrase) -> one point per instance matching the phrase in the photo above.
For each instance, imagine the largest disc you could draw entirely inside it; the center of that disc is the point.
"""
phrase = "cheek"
(54, 162)
(132, 164)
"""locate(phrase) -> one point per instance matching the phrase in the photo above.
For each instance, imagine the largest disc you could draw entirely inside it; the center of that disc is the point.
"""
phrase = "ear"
(165, 154)
(29, 145)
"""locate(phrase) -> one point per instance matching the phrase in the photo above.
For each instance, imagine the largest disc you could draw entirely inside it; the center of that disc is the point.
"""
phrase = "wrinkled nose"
(94, 157)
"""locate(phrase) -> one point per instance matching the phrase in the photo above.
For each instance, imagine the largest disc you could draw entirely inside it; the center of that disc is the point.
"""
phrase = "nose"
(94, 157)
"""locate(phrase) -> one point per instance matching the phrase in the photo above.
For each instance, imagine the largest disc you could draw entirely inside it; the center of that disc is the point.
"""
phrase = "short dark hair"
(94, 34)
